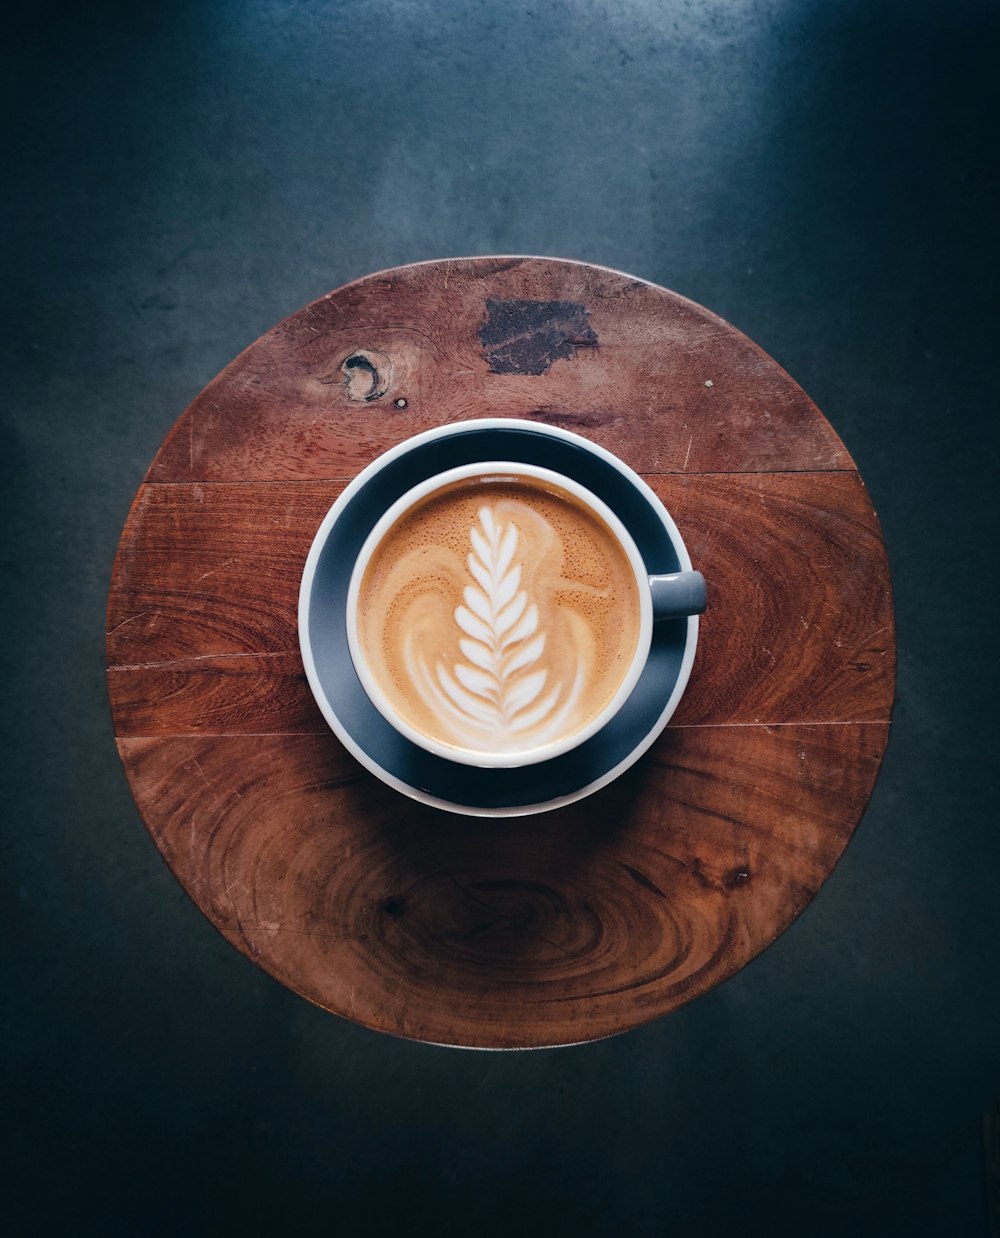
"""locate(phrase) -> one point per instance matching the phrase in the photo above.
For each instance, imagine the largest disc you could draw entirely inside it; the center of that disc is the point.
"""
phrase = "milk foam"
(499, 615)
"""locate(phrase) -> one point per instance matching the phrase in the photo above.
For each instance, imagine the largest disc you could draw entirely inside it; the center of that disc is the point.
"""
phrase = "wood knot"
(731, 879)
(367, 375)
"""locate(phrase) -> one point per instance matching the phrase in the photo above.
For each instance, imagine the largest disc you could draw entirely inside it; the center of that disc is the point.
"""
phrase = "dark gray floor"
(180, 177)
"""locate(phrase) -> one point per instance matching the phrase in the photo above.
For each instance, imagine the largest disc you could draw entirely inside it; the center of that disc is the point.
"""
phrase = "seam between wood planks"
(694, 726)
(342, 479)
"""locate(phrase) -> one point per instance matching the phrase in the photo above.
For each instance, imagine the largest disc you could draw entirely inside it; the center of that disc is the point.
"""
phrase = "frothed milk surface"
(498, 615)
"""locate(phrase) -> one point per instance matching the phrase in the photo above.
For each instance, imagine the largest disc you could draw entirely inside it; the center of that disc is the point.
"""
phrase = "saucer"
(358, 724)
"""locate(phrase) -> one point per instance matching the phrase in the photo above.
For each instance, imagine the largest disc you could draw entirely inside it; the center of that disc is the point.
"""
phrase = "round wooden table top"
(526, 931)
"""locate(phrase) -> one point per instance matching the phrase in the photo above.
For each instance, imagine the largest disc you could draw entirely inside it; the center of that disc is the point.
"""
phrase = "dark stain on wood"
(643, 880)
(526, 337)
(583, 418)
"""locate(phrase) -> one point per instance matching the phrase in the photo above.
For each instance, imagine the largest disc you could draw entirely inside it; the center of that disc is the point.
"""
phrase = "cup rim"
(521, 757)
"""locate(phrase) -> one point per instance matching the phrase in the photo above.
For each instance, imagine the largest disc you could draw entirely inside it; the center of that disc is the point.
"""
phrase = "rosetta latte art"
(495, 693)
(498, 616)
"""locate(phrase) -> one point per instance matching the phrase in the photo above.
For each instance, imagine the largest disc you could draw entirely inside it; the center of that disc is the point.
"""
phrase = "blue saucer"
(402, 764)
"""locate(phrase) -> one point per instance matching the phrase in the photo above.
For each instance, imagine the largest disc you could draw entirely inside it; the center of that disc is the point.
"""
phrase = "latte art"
(498, 691)
(498, 615)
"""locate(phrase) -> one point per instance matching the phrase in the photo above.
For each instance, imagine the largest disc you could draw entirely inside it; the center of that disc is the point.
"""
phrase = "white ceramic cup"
(681, 593)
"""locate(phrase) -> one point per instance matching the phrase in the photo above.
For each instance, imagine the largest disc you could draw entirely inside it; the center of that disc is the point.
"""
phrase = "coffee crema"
(500, 614)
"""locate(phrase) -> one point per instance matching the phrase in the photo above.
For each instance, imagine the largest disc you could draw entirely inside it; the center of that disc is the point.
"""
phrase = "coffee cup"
(500, 614)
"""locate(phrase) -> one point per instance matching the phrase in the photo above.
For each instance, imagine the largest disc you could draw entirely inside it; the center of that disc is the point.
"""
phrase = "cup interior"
(510, 755)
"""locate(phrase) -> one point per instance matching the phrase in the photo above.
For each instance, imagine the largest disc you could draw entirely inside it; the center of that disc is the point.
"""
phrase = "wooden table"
(539, 930)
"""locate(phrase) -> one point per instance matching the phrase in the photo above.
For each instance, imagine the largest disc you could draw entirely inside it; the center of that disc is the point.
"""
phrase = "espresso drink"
(499, 615)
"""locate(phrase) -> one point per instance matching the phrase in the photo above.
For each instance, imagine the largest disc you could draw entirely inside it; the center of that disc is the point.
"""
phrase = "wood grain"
(212, 570)
(668, 386)
(517, 932)
(530, 931)
(202, 611)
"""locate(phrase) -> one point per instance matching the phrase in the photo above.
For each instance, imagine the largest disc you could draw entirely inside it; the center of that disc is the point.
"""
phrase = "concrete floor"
(180, 177)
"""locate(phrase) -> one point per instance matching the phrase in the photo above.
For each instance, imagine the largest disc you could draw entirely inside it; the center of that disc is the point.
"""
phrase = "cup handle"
(680, 593)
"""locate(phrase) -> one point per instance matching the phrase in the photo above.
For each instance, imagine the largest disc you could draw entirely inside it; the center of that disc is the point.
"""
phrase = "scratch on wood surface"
(272, 926)
(687, 455)
(180, 663)
(213, 570)
(131, 619)
(204, 776)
